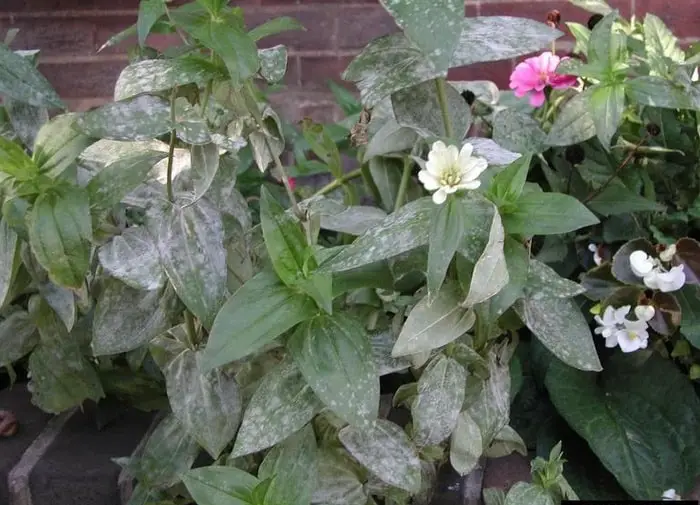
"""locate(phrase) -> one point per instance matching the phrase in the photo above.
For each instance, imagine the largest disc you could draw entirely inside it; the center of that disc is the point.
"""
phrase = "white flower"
(670, 495)
(654, 274)
(448, 170)
(667, 254)
(597, 259)
(644, 312)
(641, 263)
(618, 330)
(612, 324)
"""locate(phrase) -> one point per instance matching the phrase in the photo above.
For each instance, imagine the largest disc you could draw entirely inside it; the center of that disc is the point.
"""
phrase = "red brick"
(69, 36)
(111, 25)
(324, 113)
(497, 71)
(317, 71)
(683, 17)
(83, 79)
(361, 24)
(54, 5)
(319, 24)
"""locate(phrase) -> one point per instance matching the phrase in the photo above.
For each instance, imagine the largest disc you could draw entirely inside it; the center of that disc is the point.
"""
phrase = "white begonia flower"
(644, 312)
(618, 330)
(654, 274)
(449, 170)
(670, 495)
(612, 324)
(597, 259)
(667, 254)
(641, 263)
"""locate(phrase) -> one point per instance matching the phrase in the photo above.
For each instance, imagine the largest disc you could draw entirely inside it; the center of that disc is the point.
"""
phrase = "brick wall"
(69, 32)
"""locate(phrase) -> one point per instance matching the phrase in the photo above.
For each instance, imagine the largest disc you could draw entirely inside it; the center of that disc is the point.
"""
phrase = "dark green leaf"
(150, 11)
(9, 260)
(573, 124)
(446, 232)
(275, 26)
(540, 213)
(606, 104)
(508, 184)
(323, 146)
(15, 162)
(58, 144)
(619, 199)
(20, 80)
(518, 132)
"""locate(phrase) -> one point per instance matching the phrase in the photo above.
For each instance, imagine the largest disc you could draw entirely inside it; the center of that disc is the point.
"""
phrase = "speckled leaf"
(573, 124)
(58, 144)
(273, 63)
(337, 483)
(292, 466)
(518, 132)
(267, 142)
(20, 80)
(119, 178)
(154, 76)
(447, 226)
(191, 246)
(220, 485)
(420, 22)
(354, 219)
(506, 442)
(491, 38)
(190, 126)
(205, 164)
(433, 324)
(127, 318)
(169, 452)
(144, 117)
(440, 396)
(660, 92)
(62, 301)
(524, 493)
(386, 451)
(254, 316)
(492, 152)
(132, 257)
(491, 271)
(606, 105)
(390, 138)
(335, 357)
(466, 444)
(282, 404)
(517, 262)
(382, 344)
(18, 336)
(559, 324)
(387, 65)
(60, 231)
(26, 119)
(9, 259)
(208, 404)
(402, 231)
(543, 279)
(150, 11)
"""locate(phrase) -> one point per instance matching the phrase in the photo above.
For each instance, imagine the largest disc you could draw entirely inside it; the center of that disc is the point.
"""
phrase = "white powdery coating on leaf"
(273, 63)
(151, 76)
(490, 272)
(337, 483)
(542, 281)
(142, 118)
(132, 257)
(382, 344)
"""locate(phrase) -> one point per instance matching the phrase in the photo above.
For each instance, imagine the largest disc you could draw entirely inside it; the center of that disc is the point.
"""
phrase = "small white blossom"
(667, 254)
(449, 170)
(612, 324)
(597, 259)
(616, 329)
(654, 274)
(670, 495)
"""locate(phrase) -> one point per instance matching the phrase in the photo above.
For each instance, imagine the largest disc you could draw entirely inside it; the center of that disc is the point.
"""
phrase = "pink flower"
(292, 183)
(534, 74)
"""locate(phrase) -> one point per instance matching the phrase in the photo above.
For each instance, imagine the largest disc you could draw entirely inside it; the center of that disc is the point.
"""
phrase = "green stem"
(442, 100)
(403, 185)
(191, 331)
(339, 182)
(171, 150)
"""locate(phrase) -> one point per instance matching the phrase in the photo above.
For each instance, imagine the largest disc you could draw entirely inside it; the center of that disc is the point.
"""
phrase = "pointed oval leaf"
(337, 483)
(573, 124)
(18, 336)
(466, 444)
(518, 132)
(382, 344)
(273, 63)
(58, 144)
(540, 213)
(144, 117)
(490, 271)
(531, 494)
(20, 80)
(220, 485)
(9, 259)
(205, 164)
(543, 279)
(133, 258)
(446, 231)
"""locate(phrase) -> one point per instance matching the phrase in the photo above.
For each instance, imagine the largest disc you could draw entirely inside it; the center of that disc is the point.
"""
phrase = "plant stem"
(403, 185)
(442, 100)
(190, 328)
(171, 150)
(339, 182)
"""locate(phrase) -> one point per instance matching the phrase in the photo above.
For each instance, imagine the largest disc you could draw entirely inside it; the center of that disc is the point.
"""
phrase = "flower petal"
(428, 180)
(473, 168)
(537, 98)
(644, 312)
(439, 196)
(641, 263)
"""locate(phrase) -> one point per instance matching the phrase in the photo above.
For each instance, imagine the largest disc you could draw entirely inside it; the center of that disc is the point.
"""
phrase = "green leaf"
(606, 104)
(420, 21)
(150, 11)
(540, 213)
(386, 451)
(517, 261)
(440, 396)
(319, 286)
(224, 34)
(58, 144)
(523, 493)
(618, 199)
(132, 257)
(254, 316)
(60, 232)
(386, 175)
(595, 6)
(26, 120)
(282, 404)
(582, 34)
(574, 124)
(543, 279)
(659, 92)
(402, 231)
(323, 146)
(220, 485)
(689, 299)
(516, 37)
(559, 324)
(275, 26)
(338, 484)
(390, 138)
(20, 80)
(118, 179)
(490, 273)
(15, 162)
(607, 47)
(382, 344)
(518, 132)
(268, 142)
(144, 117)
(418, 108)
(507, 185)
(190, 242)
(18, 336)
(640, 418)
(292, 468)
(335, 357)
(446, 232)
(156, 76)
(661, 45)
(10, 260)
(128, 318)
(273, 63)
(345, 99)
(208, 404)
(433, 324)
(466, 444)
(205, 164)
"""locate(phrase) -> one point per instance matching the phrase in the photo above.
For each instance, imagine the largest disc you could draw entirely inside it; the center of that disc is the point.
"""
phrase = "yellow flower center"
(450, 176)
(632, 335)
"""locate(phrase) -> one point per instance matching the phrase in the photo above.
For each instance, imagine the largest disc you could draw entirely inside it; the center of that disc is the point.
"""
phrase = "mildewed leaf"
(386, 451)
(573, 124)
(208, 404)
(640, 418)
(518, 132)
(191, 246)
(58, 144)
(335, 357)
(382, 344)
(660, 92)
(292, 468)
(542, 279)
(155, 76)
(20, 80)
(660, 44)
(606, 105)
(18, 336)
(9, 259)
(143, 117)
(205, 164)
(273, 63)
(127, 318)
(254, 316)
(446, 233)
(132, 257)
(531, 494)
(433, 324)
(220, 485)
(338, 484)
(282, 404)
(60, 231)
(490, 271)
(26, 119)
(440, 396)
(267, 142)
(466, 444)
(390, 138)
(149, 12)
